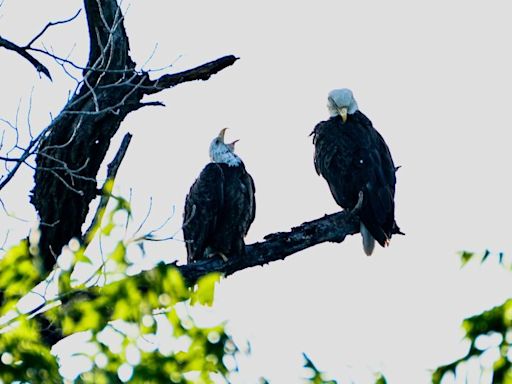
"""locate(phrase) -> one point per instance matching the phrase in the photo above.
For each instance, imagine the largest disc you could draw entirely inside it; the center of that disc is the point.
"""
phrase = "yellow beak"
(222, 133)
(343, 113)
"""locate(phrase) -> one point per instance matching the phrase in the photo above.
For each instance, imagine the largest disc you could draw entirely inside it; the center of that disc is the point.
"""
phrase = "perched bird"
(353, 157)
(220, 207)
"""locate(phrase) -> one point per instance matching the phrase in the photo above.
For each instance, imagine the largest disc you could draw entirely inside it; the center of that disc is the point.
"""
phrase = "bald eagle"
(220, 207)
(353, 157)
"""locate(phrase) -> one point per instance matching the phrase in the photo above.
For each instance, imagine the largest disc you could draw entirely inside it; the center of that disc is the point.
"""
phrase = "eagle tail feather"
(368, 240)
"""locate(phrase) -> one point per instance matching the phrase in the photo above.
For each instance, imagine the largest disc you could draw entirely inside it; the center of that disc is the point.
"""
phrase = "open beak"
(222, 133)
(343, 113)
(232, 145)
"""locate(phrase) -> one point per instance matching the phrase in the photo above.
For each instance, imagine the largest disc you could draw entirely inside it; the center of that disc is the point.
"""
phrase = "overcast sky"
(435, 79)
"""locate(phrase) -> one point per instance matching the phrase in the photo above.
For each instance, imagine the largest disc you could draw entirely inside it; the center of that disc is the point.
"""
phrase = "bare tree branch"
(22, 51)
(62, 61)
(202, 72)
(277, 246)
(21, 160)
(112, 169)
(49, 25)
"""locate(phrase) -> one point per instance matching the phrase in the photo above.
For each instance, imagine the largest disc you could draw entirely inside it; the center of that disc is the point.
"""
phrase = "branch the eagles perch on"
(332, 228)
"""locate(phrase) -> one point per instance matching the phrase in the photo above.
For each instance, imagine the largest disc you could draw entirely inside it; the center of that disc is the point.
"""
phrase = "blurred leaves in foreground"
(317, 377)
(130, 328)
(467, 256)
(488, 358)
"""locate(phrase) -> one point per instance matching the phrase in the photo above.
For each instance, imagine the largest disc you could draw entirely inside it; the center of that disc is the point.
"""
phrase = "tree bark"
(332, 228)
(71, 153)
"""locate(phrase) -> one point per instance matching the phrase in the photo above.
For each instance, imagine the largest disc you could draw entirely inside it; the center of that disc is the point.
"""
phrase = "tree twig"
(51, 24)
(28, 152)
(23, 53)
(112, 169)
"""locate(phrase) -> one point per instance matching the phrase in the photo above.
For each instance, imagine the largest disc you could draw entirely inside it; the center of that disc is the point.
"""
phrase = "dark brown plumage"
(219, 209)
(352, 156)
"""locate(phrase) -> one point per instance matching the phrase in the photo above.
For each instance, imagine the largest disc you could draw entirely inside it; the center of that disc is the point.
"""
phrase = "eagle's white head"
(341, 102)
(220, 152)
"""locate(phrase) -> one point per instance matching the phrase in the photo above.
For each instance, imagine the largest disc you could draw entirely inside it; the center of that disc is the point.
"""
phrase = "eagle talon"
(220, 254)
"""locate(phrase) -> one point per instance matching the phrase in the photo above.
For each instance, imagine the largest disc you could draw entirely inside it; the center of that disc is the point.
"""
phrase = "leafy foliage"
(22, 354)
(137, 327)
(317, 377)
(467, 256)
(490, 336)
(18, 275)
(490, 341)
(24, 357)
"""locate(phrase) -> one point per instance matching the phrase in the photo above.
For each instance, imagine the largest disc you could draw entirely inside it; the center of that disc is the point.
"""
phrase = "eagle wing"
(203, 206)
(250, 190)
(239, 211)
(379, 189)
(335, 160)
(325, 150)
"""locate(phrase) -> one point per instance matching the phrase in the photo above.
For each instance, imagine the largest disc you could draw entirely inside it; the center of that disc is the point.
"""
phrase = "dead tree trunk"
(71, 153)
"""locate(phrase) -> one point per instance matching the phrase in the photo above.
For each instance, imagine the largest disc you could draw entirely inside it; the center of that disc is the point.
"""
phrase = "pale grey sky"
(434, 77)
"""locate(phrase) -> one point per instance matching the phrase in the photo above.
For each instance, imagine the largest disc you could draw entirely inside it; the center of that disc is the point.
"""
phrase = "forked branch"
(23, 51)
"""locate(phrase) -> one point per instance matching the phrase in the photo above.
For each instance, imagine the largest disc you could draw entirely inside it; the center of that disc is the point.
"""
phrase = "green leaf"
(18, 273)
(107, 229)
(465, 257)
(317, 376)
(174, 285)
(108, 186)
(205, 290)
(119, 253)
(64, 281)
(68, 325)
(122, 310)
(81, 257)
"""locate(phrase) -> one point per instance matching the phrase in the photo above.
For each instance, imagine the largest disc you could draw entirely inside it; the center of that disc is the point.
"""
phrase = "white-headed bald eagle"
(220, 207)
(353, 157)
